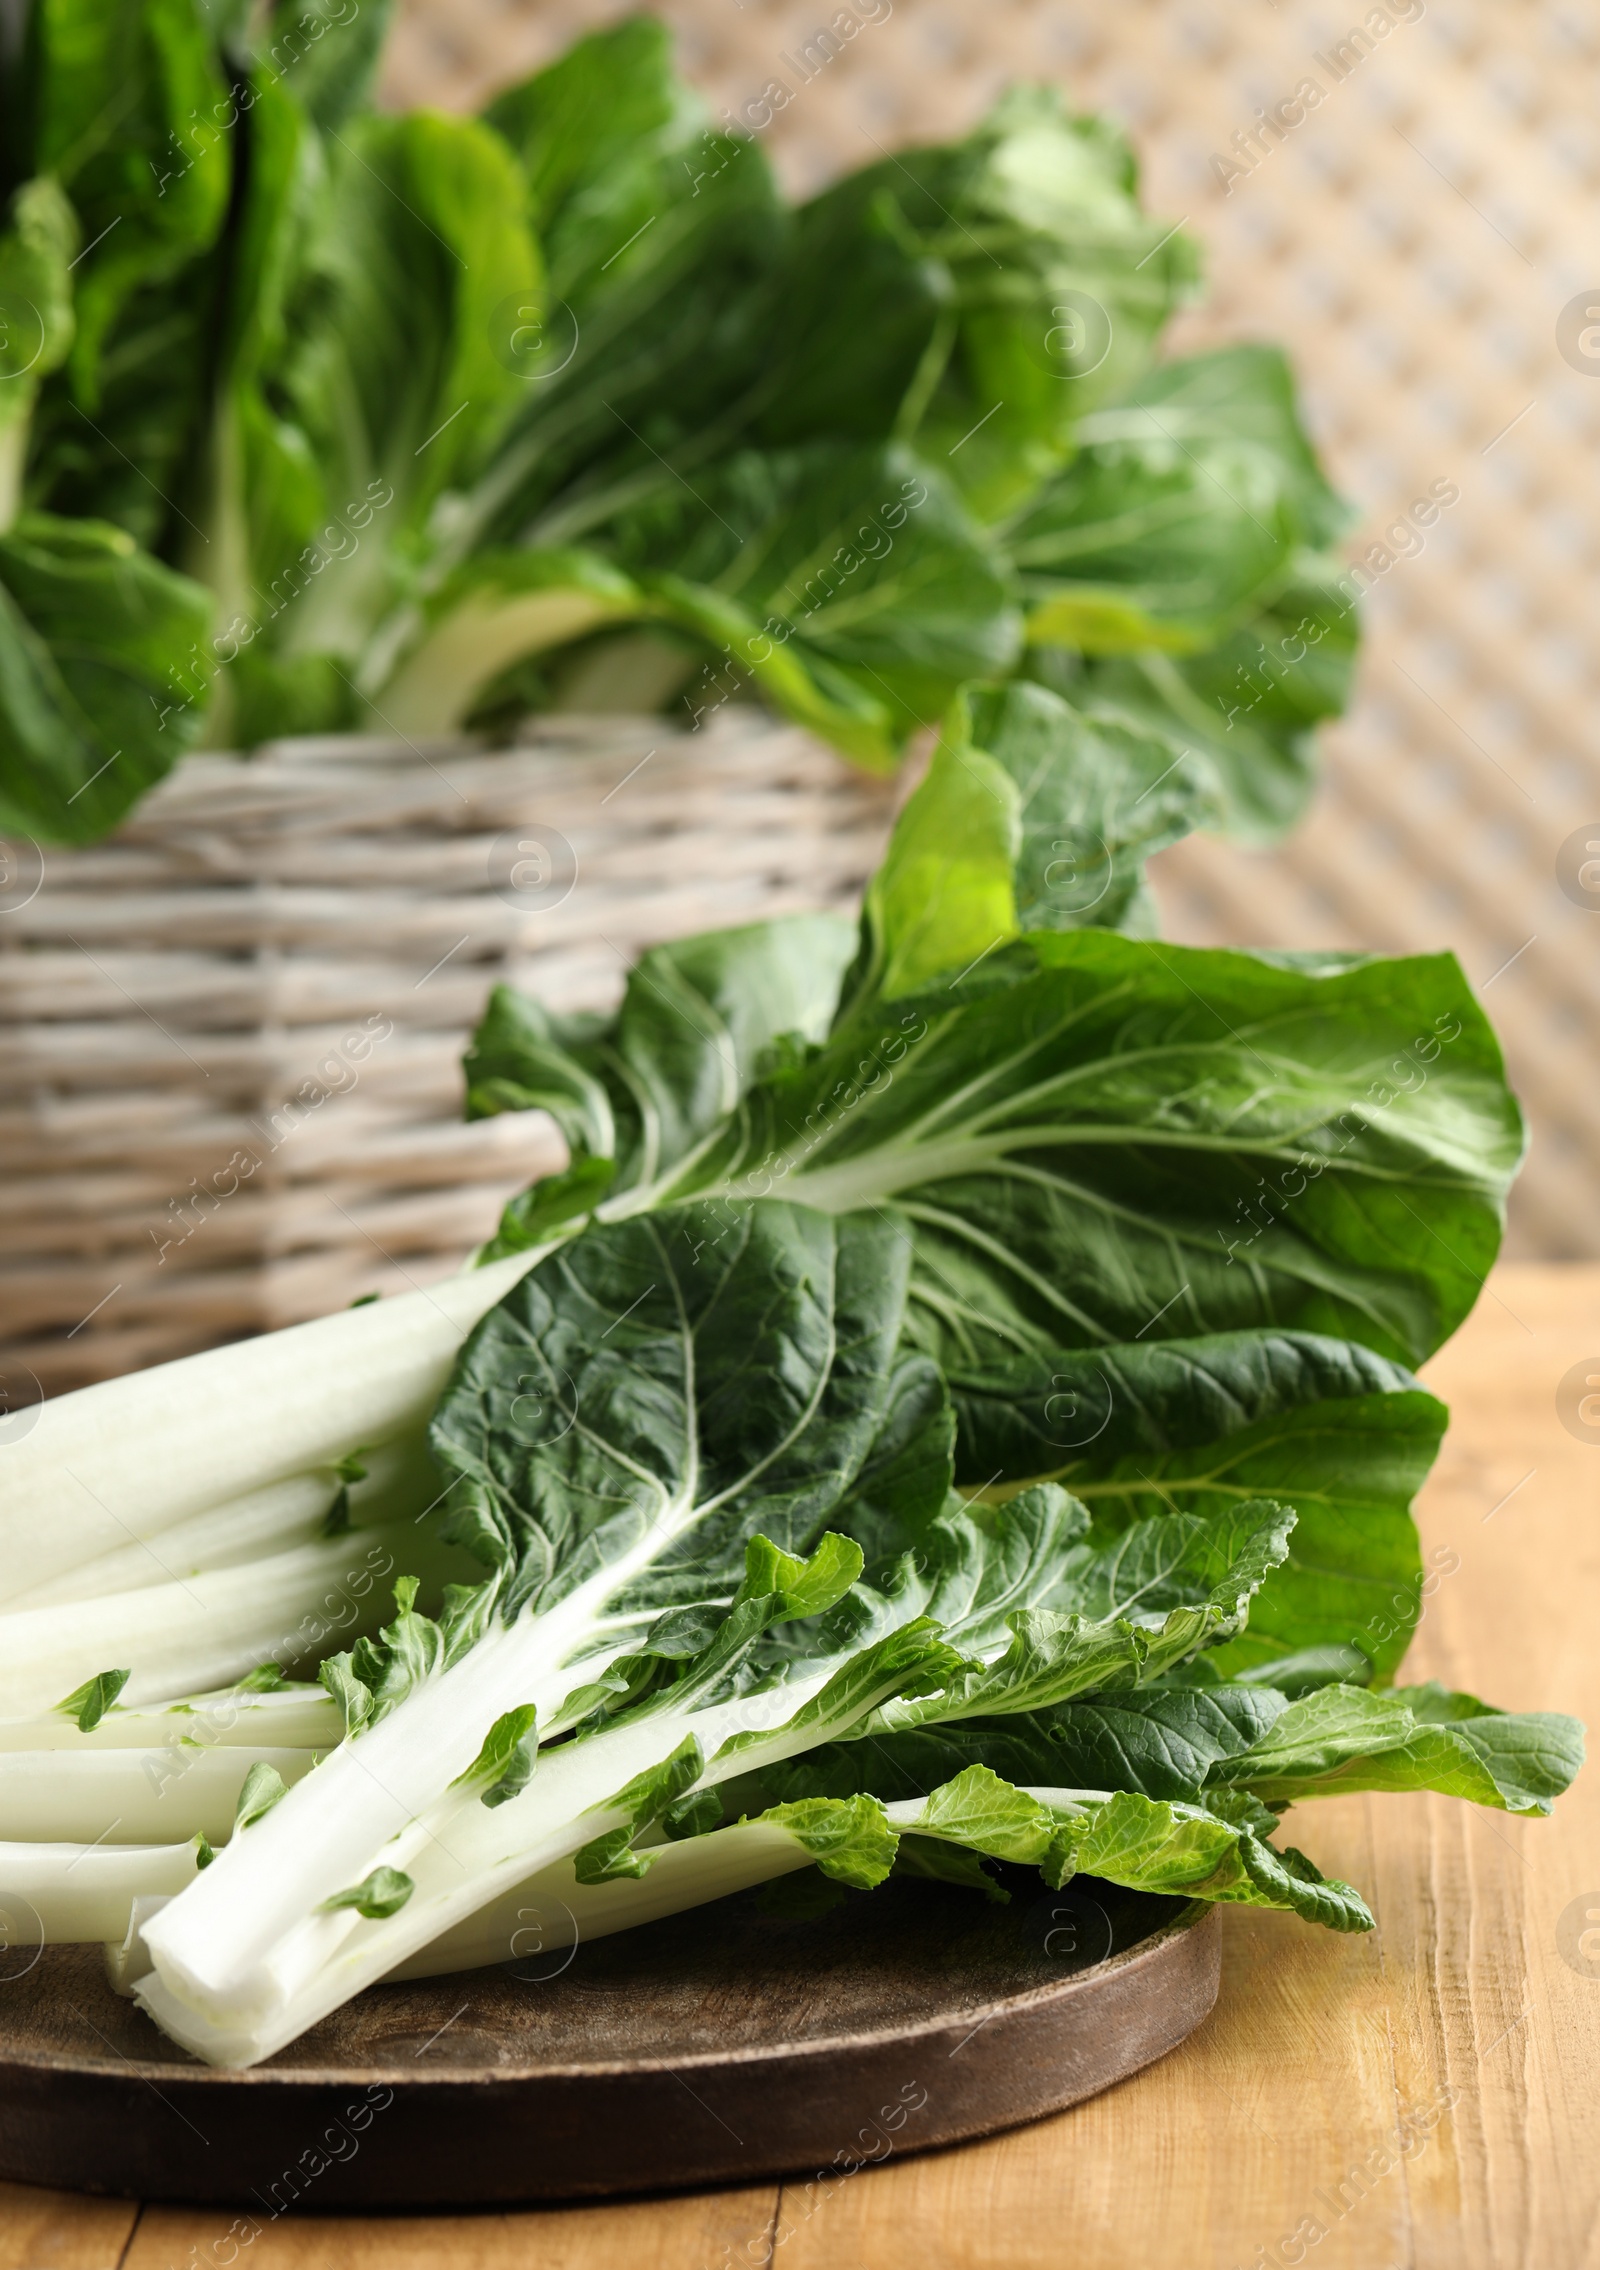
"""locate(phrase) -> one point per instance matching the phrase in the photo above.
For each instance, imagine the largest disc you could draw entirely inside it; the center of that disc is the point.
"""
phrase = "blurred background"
(1423, 245)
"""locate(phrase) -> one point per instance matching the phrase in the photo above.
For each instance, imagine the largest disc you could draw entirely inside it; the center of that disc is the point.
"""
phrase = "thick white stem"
(298, 1718)
(552, 1910)
(220, 1945)
(130, 1796)
(64, 1894)
(401, 1482)
(200, 1631)
(237, 2003)
(119, 1462)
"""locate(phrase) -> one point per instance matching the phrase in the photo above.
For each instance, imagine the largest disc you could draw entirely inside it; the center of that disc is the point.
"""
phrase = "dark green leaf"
(1343, 1738)
(1344, 1436)
(638, 1092)
(1097, 799)
(662, 1390)
(1245, 709)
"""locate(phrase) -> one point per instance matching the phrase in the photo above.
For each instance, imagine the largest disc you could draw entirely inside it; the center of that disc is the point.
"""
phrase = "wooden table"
(1427, 2096)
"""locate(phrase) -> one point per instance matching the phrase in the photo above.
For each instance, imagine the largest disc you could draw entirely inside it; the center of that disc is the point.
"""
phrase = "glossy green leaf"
(1343, 1435)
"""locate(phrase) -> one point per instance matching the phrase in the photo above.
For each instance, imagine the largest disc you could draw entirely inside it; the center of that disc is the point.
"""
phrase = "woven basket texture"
(1414, 242)
(230, 1038)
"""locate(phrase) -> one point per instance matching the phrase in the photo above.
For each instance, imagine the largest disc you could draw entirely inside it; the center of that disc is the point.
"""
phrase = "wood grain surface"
(728, 2045)
(1424, 2099)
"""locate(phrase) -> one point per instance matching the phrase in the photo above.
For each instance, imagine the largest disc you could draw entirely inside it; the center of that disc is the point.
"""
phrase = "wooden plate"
(714, 2048)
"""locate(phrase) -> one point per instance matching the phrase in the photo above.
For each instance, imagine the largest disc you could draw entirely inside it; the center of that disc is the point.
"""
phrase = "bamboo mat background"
(1413, 243)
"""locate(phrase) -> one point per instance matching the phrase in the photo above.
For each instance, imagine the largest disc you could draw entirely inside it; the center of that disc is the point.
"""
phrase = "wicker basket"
(231, 1036)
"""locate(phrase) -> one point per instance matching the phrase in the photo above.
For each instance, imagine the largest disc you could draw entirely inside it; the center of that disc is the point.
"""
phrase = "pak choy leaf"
(1194, 1425)
(1158, 1741)
(381, 390)
(659, 234)
(1180, 512)
(1012, 281)
(1150, 1845)
(635, 1093)
(1096, 799)
(1209, 1745)
(1246, 709)
(1092, 1135)
(1344, 1738)
(605, 134)
(89, 1703)
(602, 1411)
(328, 52)
(129, 109)
(382, 1894)
(642, 1802)
(1101, 1133)
(1099, 1615)
(504, 1766)
(752, 497)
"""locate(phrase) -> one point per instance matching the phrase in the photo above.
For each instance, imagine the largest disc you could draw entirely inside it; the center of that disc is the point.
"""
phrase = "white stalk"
(130, 1796)
(64, 1894)
(294, 1718)
(248, 1956)
(200, 1631)
(401, 1481)
(119, 1462)
(551, 1910)
(369, 1792)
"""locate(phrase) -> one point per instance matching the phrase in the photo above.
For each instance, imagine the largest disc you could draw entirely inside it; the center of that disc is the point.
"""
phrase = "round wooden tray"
(718, 2047)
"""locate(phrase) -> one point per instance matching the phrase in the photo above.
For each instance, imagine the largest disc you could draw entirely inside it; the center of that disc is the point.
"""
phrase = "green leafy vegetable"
(447, 418)
(949, 1415)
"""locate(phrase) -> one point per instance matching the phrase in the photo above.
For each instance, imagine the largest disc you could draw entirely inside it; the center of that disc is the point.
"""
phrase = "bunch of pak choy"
(954, 1406)
(315, 417)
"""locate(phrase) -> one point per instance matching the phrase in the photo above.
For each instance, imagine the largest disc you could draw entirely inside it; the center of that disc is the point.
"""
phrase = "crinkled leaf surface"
(679, 1380)
(1341, 1434)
